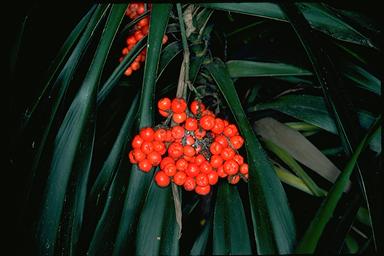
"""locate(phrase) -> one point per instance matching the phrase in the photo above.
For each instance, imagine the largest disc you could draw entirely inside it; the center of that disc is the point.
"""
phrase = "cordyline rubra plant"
(206, 128)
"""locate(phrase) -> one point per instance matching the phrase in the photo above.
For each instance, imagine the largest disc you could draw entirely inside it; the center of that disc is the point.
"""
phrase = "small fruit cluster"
(140, 30)
(200, 148)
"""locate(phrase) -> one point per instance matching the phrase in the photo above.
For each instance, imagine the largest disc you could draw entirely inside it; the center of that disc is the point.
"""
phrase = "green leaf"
(292, 180)
(139, 181)
(312, 235)
(313, 110)
(244, 68)
(200, 244)
(318, 15)
(116, 155)
(157, 231)
(168, 54)
(272, 218)
(351, 244)
(362, 78)
(72, 153)
(230, 230)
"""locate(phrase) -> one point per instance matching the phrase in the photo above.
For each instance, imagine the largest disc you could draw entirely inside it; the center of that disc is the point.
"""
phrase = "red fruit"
(128, 71)
(162, 180)
(198, 149)
(138, 155)
(181, 164)
(131, 40)
(135, 65)
(221, 173)
(147, 133)
(239, 159)
(226, 123)
(138, 35)
(188, 150)
(145, 30)
(154, 157)
(190, 159)
(178, 105)
(227, 153)
(124, 51)
(189, 184)
(166, 160)
(200, 133)
(231, 167)
(146, 147)
(230, 130)
(237, 141)
(170, 170)
(179, 178)
(189, 140)
(222, 140)
(207, 122)
(213, 177)
(218, 127)
(163, 113)
(164, 104)
(175, 150)
(234, 179)
(197, 107)
(215, 148)
(137, 141)
(244, 169)
(216, 161)
(192, 170)
(169, 136)
(165, 39)
(131, 157)
(205, 167)
(160, 135)
(202, 180)
(143, 22)
(208, 113)
(159, 147)
(199, 159)
(177, 132)
(191, 124)
(133, 6)
(179, 117)
(203, 190)
(145, 165)
(140, 10)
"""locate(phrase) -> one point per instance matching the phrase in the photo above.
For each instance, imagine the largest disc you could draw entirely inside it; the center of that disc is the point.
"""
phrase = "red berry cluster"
(141, 29)
(200, 148)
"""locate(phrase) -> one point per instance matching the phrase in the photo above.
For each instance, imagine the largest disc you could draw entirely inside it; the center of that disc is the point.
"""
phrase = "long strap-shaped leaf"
(230, 230)
(338, 104)
(273, 222)
(311, 237)
(73, 152)
(139, 181)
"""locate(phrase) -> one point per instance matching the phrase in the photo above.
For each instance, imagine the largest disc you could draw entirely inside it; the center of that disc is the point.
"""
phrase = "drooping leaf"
(200, 244)
(312, 235)
(230, 231)
(73, 153)
(244, 68)
(362, 78)
(272, 218)
(139, 181)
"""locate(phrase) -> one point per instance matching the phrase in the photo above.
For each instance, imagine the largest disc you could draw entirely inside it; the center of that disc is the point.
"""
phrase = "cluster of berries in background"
(140, 30)
(194, 152)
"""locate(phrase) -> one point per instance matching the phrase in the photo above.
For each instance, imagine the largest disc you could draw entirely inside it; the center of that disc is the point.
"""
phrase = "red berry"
(179, 117)
(191, 124)
(175, 150)
(189, 140)
(190, 159)
(154, 157)
(146, 147)
(163, 113)
(131, 157)
(239, 159)
(159, 147)
(147, 133)
(166, 160)
(181, 164)
(203, 190)
(234, 179)
(188, 150)
(215, 148)
(230, 130)
(128, 71)
(189, 184)
(170, 170)
(162, 180)
(205, 167)
(218, 127)
(178, 105)
(199, 159)
(192, 170)
(169, 136)
(200, 133)
(138, 35)
(207, 122)
(244, 169)
(137, 141)
(179, 178)
(143, 22)
(208, 113)
(221, 173)
(237, 141)
(131, 40)
(135, 65)
(160, 135)
(145, 165)
(231, 167)
(216, 161)
(201, 180)
(222, 140)
(227, 153)
(165, 39)
(138, 155)
(140, 10)
(145, 29)
(213, 177)
(197, 107)
(177, 132)
(164, 104)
